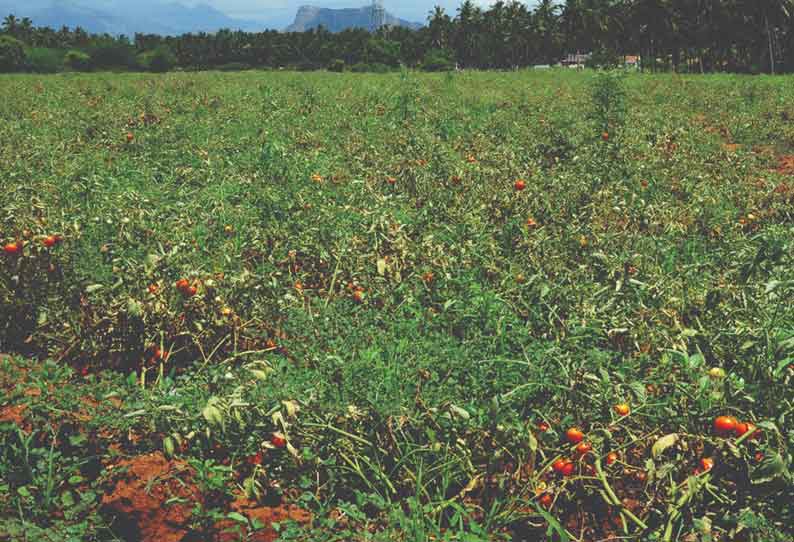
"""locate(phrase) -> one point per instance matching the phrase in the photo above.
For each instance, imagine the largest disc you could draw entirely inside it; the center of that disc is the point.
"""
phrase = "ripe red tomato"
(255, 459)
(278, 440)
(130, 137)
(612, 457)
(574, 435)
(706, 464)
(641, 476)
(358, 296)
(520, 185)
(182, 284)
(50, 241)
(622, 409)
(543, 427)
(559, 465)
(391, 180)
(12, 249)
(568, 468)
(584, 448)
(725, 424)
(743, 428)
(759, 457)
(546, 500)
(605, 136)
(190, 291)
(531, 223)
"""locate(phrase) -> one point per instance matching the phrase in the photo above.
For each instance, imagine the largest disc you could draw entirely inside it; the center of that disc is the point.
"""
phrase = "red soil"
(153, 499)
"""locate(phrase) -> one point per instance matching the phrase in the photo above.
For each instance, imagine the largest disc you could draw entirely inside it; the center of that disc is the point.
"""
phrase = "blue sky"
(274, 11)
(415, 10)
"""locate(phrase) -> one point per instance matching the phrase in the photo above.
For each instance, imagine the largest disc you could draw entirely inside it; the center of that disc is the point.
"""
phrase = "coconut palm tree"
(11, 25)
(466, 40)
(546, 24)
(440, 25)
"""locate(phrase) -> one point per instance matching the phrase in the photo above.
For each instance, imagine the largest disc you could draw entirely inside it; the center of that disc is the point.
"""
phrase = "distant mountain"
(95, 21)
(125, 17)
(337, 20)
(169, 17)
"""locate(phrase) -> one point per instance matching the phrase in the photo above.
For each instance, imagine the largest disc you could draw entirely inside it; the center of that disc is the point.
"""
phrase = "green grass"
(656, 255)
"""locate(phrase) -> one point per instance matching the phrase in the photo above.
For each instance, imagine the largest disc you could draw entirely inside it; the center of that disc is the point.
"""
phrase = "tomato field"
(471, 306)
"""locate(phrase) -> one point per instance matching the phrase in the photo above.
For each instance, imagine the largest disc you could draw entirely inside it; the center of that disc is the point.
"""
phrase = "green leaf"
(237, 517)
(747, 345)
(663, 444)
(544, 291)
(639, 391)
(773, 467)
(259, 374)
(169, 446)
(212, 414)
(772, 285)
(782, 365)
(533, 443)
(134, 308)
(78, 440)
(67, 499)
(151, 262)
(459, 412)
(554, 525)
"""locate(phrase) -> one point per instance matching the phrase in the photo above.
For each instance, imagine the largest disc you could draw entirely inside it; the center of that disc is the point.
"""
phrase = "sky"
(278, 12)
(413, 10)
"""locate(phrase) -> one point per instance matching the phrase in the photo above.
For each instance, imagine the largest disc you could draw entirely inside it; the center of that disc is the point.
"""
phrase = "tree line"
(682, 35)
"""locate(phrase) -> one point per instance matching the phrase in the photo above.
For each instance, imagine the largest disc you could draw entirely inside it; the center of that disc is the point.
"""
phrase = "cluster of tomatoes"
(565, 466)
(155, 355)
(727, 425)
(520, 185)
(277, 441)
(186, 288)
(357, 292)
(724, 426)
(14, 248)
